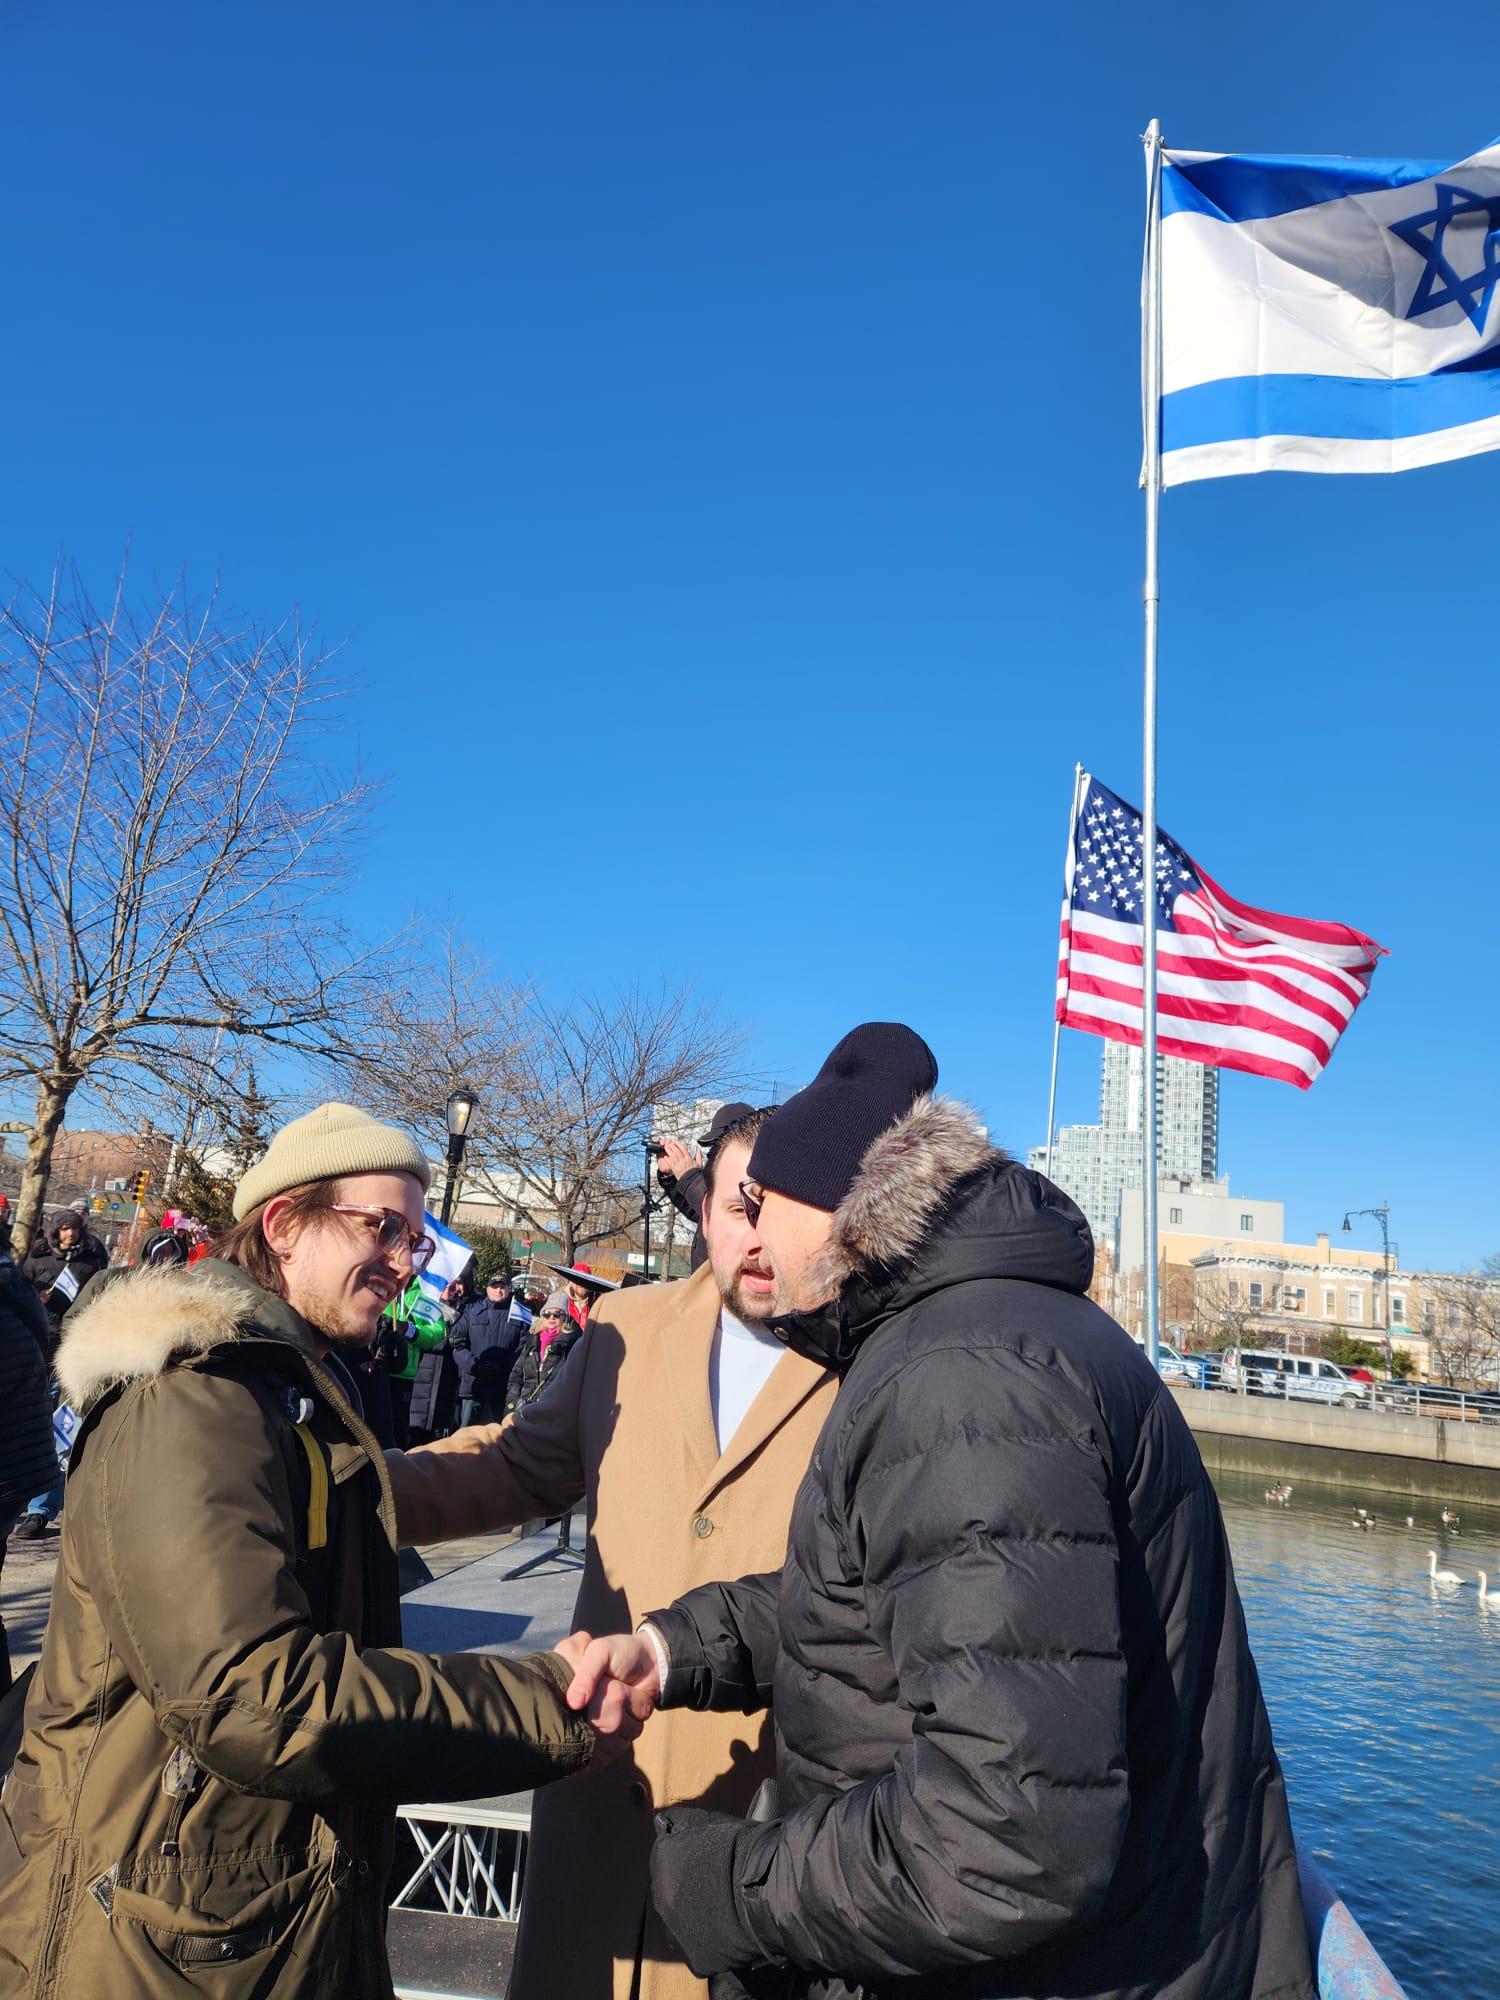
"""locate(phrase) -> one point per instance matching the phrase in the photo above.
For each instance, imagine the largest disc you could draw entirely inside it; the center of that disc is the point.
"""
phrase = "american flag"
(1237, 988)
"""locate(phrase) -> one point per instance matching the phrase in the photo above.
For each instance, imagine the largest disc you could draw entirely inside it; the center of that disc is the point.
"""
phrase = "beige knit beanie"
(335, 1139)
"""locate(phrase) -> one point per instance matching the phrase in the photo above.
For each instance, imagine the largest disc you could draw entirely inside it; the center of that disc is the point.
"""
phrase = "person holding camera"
(679, 1171)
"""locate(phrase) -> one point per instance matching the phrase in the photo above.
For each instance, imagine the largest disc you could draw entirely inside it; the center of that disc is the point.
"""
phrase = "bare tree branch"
(565, 1090)
(169, 836)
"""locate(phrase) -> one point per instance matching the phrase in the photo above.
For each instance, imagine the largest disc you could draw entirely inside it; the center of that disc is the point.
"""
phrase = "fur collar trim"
(141, 1322)
(904, 1184)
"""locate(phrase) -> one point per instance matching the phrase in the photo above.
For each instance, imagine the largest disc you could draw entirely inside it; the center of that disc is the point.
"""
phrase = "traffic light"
(140, 1184)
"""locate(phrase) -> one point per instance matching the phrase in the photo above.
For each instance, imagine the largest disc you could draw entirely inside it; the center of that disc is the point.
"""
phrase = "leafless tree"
(565, 1090)
(1464, 1335)
(1221, 1315)
(168, 832)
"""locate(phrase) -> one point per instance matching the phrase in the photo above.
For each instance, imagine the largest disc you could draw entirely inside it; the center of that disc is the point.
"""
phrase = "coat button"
(703, 1527)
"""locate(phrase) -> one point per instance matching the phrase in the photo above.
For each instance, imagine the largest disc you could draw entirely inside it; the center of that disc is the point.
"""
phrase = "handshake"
(617, 1682)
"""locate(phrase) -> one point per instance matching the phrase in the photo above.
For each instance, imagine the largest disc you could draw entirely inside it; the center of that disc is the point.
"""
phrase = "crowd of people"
(907, 1661)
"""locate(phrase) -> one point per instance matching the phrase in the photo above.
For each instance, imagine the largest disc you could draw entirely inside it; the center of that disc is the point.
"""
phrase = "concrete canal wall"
(1428, 1458)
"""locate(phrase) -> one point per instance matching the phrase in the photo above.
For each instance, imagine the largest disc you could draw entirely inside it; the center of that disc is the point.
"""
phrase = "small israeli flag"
(1327, 315)
(450, 1255)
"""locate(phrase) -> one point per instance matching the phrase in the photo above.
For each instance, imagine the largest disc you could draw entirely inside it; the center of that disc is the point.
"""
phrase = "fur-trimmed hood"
(137, 1325)
(934, 1204)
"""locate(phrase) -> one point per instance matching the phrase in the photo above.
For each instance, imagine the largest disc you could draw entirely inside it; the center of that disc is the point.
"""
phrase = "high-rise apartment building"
(1094, 1163)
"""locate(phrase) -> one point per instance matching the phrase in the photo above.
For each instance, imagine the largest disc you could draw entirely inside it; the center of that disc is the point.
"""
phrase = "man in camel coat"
(687, 1428)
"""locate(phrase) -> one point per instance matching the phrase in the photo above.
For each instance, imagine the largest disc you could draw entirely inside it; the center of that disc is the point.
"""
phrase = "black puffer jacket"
(28, 1456)
(1021, 1740)
(46, 1263)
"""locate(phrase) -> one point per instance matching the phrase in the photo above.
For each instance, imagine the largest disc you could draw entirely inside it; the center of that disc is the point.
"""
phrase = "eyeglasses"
(754, 1203)
(554, 1315)
(393, 1233)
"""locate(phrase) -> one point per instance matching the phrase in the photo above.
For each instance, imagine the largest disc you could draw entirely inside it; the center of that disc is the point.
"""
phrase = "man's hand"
(617, 1717)
(615, 1679)
(676, 1159)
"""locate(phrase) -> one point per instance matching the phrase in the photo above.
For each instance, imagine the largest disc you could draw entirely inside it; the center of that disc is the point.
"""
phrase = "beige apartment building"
(1225, 1267)
(1447, 1321)
(1193, 1217)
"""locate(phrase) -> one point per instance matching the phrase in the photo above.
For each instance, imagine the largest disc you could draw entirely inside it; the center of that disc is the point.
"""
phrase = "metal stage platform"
(460, 1873)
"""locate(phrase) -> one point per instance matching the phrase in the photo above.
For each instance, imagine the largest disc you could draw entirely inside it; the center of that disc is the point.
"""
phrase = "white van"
(1262, 1373)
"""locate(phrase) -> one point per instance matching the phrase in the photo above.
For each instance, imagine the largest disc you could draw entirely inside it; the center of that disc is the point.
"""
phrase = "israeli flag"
(1327, 315)
(450, 1255)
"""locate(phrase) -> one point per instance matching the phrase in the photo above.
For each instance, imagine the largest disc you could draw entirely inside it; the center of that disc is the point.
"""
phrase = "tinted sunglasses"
(394, 1235)
(754, 1203)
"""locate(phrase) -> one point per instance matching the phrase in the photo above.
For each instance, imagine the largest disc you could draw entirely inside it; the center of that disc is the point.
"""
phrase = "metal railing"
(1407, 1399)
(471, 1860)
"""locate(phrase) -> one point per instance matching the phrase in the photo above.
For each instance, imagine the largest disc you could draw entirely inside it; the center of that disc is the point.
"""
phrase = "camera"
(654, 1147)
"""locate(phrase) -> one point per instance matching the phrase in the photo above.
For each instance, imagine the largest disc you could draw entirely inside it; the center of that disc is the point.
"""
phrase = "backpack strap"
(317, 1499)
(297, 1407)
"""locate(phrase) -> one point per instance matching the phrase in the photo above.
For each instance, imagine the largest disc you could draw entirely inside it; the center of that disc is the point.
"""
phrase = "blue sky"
(715, 431)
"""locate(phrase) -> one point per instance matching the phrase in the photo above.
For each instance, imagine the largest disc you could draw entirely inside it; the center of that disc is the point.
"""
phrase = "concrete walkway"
(474, 1609)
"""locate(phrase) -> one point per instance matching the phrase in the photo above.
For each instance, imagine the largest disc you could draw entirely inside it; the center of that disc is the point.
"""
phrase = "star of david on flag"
(1237, 987)
(1327, 315)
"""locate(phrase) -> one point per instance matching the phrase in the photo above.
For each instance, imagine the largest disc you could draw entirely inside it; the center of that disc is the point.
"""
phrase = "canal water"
(1384, 1693)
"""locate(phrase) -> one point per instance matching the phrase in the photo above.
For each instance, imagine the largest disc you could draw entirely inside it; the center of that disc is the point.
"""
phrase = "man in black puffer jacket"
(1021, 1740)
(63, 1265)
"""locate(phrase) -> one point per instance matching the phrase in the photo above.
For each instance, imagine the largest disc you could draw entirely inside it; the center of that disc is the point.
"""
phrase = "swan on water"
(1440, 1575)
(1484, 1587)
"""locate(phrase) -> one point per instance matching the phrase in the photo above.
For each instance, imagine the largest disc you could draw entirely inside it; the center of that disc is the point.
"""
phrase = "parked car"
(1261, 1373)
(1174, 1366)
(1395, 1395)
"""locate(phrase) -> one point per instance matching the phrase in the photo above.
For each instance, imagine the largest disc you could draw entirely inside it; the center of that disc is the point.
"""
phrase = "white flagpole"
(1056, 1023)
(1151, 400)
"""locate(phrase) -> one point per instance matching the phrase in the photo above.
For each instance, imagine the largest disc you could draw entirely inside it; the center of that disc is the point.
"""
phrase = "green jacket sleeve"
(187, 1527)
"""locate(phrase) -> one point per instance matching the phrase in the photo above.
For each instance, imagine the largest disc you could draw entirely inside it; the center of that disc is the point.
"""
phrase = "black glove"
(692, 1883)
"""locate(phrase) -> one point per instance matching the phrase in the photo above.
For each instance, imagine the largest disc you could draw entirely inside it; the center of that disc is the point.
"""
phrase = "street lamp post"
(461, 1107)
(1383, 1216)
(648, 1205)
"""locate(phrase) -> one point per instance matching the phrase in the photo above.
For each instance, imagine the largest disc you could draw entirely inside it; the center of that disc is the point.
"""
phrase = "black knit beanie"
(812, 1148)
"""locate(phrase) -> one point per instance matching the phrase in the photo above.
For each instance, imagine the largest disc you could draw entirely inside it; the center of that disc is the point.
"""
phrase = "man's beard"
(339, 1320)
(791, 1295)
(738, 1302)
(783, 1295)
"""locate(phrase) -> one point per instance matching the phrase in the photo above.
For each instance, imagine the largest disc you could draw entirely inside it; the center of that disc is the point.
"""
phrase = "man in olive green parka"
(223, 1722)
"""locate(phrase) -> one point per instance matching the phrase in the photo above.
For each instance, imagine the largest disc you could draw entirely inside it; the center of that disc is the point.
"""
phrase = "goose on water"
(1440, 1575)
(1449, 1518)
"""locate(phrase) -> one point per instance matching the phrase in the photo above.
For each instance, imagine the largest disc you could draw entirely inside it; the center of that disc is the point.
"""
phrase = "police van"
(1259, 1372)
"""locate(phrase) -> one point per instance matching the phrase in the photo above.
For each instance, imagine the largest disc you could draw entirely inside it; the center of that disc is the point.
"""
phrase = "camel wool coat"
(627, 1425)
